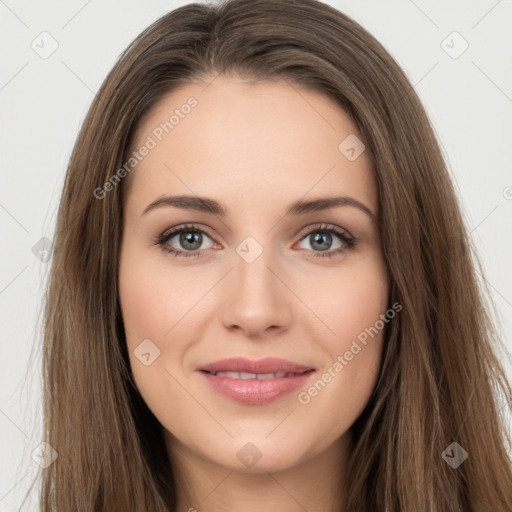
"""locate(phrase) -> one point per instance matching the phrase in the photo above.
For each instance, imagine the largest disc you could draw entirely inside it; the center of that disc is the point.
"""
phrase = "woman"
(256, 368)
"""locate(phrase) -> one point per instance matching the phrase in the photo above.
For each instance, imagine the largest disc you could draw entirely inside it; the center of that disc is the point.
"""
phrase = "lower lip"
(254, 391)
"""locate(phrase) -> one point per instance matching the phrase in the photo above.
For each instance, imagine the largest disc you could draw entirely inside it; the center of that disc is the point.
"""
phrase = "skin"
(255, 149)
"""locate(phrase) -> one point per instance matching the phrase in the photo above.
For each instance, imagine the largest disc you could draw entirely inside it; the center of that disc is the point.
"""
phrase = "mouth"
(251, 388)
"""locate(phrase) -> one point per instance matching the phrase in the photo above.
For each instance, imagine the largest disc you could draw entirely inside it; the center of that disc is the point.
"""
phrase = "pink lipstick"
(255, 382)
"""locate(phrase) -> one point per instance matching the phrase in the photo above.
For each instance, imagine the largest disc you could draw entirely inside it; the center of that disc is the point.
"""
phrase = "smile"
(255, 389)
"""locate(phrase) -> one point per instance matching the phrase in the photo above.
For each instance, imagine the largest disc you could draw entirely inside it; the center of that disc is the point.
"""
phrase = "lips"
(255, 382)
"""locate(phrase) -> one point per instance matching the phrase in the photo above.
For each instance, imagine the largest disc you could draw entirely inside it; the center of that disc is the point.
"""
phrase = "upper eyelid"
(176, 230)
(323, 226)
(320, 226)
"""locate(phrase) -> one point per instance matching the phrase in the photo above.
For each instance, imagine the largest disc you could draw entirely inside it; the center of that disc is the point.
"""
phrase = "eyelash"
(348, 241)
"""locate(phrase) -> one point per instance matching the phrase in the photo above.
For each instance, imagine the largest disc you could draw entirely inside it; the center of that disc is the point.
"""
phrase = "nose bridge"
(254, 281)
(256, 298)
(252, 264)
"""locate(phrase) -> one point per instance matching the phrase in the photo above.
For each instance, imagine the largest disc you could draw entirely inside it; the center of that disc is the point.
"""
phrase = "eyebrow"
(207, 205)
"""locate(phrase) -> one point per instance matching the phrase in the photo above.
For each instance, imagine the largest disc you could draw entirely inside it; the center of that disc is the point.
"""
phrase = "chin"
(258, 455)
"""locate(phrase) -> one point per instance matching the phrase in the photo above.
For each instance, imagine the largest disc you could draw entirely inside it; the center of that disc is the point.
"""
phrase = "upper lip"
(268, 365)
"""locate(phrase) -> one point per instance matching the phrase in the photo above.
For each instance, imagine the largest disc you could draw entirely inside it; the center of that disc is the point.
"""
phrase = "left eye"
(319, 239)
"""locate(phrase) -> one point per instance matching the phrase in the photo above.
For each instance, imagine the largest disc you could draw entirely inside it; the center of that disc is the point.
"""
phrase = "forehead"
(257, 142)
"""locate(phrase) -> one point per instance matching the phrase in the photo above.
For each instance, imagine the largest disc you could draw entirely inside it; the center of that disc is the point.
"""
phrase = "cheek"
(349, 301)
(149, 311)
(152, 303)
(153, 298)
(142, 305)
(352, 306)
(160, 303)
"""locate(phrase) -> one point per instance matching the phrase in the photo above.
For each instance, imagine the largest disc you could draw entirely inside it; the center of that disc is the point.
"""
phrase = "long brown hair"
(440, 380)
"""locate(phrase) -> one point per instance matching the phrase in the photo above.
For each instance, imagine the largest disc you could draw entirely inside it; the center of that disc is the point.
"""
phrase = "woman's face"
(258, 280)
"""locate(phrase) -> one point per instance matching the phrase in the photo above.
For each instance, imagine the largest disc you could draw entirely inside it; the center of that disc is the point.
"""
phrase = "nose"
(258, 300)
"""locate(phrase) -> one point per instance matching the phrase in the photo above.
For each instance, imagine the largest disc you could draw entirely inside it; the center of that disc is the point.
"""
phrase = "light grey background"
(43, 102)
